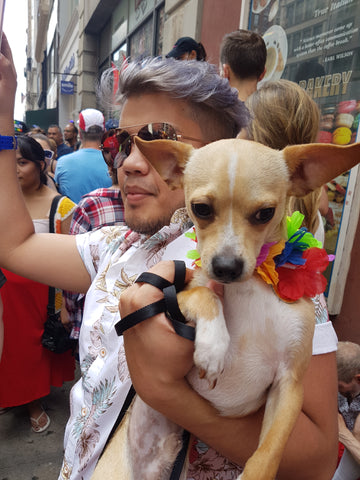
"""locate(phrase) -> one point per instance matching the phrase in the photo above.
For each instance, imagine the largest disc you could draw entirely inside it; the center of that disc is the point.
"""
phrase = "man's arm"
(74, 302)
(158, 361)
(47, 258)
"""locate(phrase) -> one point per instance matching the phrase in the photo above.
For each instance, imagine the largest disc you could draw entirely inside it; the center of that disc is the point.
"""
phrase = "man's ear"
(192, 55)
(262, 75)
(313, 165)
(226, 71)
(168, 157)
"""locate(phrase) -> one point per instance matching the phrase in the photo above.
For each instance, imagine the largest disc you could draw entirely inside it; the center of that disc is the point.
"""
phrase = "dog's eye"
(201, 210)
(263, 216)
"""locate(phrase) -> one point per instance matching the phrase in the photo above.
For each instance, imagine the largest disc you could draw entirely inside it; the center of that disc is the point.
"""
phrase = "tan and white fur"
(256, 348)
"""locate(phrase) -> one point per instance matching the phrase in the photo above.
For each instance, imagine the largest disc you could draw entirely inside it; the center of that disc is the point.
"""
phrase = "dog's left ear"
(313, 165)
(168, 157)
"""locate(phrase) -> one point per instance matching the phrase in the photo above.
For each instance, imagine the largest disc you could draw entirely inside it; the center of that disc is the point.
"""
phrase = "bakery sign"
(317, 45)
(327, 85)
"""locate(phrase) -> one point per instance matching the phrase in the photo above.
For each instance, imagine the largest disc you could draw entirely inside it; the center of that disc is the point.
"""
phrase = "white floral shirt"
(114, 257)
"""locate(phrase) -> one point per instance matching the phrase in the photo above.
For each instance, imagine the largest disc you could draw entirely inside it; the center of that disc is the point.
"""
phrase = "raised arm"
(47, 258)
(159, 359)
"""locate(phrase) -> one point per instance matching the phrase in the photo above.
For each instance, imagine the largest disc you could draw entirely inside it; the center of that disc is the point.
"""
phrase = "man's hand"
(157, 357)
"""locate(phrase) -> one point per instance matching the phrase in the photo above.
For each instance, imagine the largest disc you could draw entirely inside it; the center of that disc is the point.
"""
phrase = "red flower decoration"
(304, 280)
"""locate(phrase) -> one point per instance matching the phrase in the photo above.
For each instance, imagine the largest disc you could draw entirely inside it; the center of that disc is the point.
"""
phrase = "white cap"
(91, 118)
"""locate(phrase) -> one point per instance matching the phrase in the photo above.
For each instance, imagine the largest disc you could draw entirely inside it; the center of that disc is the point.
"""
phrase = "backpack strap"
(170, 307)
(53, 209)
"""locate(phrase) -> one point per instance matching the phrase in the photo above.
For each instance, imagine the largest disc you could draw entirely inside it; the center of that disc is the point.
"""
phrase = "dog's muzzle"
(227, 269)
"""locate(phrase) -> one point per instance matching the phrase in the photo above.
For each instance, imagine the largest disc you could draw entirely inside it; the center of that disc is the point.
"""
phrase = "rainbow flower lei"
(293, 267)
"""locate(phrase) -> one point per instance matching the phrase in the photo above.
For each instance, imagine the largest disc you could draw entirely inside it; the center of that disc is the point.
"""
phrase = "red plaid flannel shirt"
(99, 208)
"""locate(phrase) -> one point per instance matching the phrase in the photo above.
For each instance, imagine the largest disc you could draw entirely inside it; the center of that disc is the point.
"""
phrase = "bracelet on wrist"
(8, 142)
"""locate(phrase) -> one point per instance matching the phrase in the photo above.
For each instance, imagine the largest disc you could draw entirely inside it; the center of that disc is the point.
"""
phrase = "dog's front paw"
(211, 345)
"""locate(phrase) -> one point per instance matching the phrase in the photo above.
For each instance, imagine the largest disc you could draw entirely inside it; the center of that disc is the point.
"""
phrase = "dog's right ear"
(168, 157)
(313, 165)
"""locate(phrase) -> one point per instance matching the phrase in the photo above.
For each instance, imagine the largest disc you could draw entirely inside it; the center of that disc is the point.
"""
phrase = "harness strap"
(160, 282)
(129, 398)
(180, 273)
(175, 316)
(168, 305)
(154, 280)
(181, 456)
(140, 315)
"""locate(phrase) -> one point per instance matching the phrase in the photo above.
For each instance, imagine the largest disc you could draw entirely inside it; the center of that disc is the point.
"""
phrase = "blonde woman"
(282, 114)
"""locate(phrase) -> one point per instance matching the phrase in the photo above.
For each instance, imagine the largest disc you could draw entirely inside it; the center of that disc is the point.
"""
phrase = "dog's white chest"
(265, 333)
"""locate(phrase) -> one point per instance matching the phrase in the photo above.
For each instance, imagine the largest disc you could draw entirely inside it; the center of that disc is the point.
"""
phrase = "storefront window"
(119, 24)
(51, 65)
(141, 41)
(300, 13)
(136, 30)
(291, 14)
(160, 30)
(119, 55)
(317, 45)
(138, 11)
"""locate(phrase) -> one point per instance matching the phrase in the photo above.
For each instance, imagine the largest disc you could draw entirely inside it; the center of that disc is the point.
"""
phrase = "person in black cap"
(186, 48)
(20, 127)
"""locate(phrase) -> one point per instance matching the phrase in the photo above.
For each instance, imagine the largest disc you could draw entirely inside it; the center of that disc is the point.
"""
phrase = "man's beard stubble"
(138, 222)
(147, 227)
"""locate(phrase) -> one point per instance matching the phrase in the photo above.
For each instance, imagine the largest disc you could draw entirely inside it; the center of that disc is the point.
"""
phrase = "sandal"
(35, 424)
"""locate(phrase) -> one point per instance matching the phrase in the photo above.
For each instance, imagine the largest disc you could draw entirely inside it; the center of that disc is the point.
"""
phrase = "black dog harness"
(168, 305)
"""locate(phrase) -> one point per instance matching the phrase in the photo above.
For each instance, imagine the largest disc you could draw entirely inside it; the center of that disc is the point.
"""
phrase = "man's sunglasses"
(116, 148)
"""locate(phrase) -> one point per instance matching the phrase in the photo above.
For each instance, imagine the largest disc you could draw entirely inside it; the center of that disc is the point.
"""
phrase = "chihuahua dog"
(254, 348)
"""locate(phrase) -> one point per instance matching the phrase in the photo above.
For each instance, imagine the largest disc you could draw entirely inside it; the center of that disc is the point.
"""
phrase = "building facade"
(316, 44)
(71, 42)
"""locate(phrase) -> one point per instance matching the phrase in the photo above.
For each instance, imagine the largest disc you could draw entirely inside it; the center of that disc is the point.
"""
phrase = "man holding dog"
(158, 100)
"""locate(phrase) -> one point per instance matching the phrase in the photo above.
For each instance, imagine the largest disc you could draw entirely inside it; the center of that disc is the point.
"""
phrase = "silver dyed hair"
(214, 104)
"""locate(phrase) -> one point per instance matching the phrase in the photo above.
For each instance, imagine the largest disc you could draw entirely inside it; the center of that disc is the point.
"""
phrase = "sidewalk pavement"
(25, 455)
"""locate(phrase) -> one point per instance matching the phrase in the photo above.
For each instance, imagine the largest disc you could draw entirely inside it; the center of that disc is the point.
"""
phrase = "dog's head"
(236, 193)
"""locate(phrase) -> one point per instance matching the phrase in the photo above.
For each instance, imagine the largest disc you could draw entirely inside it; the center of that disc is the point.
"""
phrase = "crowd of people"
(119, 218)
(27, 369)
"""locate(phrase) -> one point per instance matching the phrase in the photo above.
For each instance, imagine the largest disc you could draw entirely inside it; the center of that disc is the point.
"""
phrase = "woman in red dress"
(27, 369)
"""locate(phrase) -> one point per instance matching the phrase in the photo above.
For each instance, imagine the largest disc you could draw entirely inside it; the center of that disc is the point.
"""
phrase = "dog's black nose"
(227, 269)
